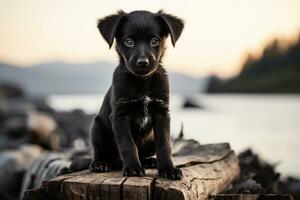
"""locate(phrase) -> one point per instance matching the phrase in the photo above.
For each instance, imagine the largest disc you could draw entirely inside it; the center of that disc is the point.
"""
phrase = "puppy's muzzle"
(142, 62)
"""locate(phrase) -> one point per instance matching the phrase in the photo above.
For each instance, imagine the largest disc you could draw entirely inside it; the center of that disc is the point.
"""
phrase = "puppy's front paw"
(133, 171)
(170, 173)
(100, 166)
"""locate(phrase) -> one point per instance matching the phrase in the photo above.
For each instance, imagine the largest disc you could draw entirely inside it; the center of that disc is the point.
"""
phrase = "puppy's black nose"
(143, 62)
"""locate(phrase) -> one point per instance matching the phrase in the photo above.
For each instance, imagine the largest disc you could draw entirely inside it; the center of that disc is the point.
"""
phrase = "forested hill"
(277, 70)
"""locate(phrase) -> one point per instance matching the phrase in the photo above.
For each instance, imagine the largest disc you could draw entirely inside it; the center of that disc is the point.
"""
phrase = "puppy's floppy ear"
(174, 25)
(108, 26)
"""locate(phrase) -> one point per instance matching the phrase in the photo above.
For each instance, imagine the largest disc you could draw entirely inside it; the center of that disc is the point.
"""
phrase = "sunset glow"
(217, 35)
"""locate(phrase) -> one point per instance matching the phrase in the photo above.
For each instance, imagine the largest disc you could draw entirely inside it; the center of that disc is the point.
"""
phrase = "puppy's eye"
(129, 43)
(154, 42)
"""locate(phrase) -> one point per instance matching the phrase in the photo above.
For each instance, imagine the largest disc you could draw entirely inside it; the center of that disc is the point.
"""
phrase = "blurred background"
(235, 75)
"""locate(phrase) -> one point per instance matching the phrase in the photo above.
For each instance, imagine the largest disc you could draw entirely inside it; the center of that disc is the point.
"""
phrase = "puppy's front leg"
(165, 165)
(127, 148)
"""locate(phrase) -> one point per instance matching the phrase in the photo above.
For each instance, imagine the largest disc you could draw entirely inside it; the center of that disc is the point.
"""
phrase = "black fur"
(133, 122)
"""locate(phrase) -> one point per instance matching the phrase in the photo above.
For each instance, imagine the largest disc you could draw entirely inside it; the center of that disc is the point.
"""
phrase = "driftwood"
(205, 174)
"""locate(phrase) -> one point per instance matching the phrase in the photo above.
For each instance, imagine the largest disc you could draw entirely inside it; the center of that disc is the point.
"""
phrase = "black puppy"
(133, 122)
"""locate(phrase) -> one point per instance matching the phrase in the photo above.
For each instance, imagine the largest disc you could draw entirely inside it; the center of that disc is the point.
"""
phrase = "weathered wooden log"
(205, 174)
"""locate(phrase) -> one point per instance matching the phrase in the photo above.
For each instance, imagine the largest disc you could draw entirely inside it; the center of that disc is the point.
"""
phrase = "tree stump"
(207, 173)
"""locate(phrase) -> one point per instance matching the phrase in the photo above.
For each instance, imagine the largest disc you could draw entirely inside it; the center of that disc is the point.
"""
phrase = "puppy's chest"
(141, 105)
(141, 108)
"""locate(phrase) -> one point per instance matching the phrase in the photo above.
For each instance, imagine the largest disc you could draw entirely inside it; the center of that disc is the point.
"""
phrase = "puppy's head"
(140, 37)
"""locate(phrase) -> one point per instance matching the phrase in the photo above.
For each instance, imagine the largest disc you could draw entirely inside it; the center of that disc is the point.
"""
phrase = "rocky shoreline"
(38, 142)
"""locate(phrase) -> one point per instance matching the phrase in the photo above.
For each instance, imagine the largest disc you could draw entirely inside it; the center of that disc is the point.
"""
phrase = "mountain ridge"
(79, 78)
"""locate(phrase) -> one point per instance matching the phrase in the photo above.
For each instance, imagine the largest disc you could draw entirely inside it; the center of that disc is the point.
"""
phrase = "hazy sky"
(217, 35)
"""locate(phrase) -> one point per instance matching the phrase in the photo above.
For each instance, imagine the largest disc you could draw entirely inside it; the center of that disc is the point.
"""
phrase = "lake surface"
(269, 124)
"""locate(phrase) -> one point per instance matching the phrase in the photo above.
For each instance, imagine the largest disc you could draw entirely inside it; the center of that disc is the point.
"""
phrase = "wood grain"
(204, 174)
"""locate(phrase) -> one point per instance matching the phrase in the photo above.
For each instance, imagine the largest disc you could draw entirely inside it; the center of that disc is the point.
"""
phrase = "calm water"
(270, 124)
